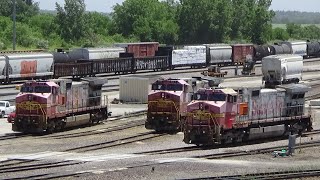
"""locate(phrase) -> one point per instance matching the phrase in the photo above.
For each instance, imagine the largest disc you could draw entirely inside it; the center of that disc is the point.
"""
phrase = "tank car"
(167, 104)
(313, 49)
(49, 106)
(281, 49)
(297, 47)
(261, 51)
(95, 53)
(282, 69)
(225, 116)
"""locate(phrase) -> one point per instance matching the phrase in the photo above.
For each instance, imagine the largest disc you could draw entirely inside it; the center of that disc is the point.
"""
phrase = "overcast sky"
(106, 5)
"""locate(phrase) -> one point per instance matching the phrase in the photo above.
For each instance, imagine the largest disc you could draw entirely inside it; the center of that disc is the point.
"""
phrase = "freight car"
(25, 66)
(49, 106)
(222, 116)
(282, 69)
(151, 56)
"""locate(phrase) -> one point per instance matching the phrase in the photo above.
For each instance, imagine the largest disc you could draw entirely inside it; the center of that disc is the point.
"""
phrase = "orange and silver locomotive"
(167, 104)
(48, 106)
(219, 116)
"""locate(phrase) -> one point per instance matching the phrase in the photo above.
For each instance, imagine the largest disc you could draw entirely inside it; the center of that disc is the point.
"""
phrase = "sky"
(106, 5)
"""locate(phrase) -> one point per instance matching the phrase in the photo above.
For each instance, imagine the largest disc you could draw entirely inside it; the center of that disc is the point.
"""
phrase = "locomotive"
(223, 116)
(49, 106)
(167, 105)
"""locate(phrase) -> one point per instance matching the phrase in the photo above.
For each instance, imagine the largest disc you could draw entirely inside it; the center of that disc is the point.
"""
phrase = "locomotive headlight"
(29, 98)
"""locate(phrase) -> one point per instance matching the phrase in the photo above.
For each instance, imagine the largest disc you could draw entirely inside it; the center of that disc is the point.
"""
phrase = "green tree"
(204, 21)
(294, 30)
(71, 21)
(280, 34)
(149, 20)
(261, 24)
(24, 8)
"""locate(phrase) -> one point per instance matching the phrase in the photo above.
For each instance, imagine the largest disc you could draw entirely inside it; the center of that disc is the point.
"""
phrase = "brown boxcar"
(241, 53)
(141, 49)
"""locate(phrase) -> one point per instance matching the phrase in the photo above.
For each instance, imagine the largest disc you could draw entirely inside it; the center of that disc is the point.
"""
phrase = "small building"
(135, 89)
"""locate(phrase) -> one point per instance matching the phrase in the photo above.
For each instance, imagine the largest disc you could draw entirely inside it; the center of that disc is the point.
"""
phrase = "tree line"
(168, 22)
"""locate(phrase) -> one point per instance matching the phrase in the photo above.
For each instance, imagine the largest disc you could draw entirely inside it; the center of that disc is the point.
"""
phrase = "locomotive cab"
(209, 112)
(167, 104)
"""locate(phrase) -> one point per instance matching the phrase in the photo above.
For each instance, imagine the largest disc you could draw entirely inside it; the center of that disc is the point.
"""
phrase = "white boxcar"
(95, 53)
(136, 88)
(20, 66)
(189, 55)
(220, 54)
(297, 47)
(283, 68)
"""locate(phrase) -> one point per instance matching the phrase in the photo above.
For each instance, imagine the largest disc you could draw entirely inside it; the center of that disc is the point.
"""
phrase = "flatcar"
(56, 104)
(225, 116)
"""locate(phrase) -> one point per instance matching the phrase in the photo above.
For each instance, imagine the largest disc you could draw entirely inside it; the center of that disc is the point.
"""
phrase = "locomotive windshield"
(36, 89)
(211, 97)
(169, 87)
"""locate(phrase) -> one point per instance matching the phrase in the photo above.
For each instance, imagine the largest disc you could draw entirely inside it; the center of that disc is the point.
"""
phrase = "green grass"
(283, 26)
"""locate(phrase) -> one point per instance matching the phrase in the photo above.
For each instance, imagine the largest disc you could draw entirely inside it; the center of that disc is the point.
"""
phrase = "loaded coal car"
(282, 69)
(227, 116)
(56, 104)
(167, 104)
(25, 66)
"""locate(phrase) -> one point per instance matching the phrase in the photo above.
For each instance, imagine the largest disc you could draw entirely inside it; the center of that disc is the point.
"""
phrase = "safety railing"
(163, 104)
(204, 116)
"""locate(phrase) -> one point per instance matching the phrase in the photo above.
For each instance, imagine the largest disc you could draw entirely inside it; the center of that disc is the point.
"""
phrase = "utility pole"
(14, 25)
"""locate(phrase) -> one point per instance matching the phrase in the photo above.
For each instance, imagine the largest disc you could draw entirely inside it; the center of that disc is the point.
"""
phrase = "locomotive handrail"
(212, 116)
(166, 102)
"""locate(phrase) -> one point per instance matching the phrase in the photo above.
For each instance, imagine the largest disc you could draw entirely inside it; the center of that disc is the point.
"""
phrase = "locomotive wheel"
(51, 127)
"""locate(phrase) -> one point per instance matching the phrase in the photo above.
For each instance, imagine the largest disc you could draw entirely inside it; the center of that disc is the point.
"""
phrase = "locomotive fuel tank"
(282, 69)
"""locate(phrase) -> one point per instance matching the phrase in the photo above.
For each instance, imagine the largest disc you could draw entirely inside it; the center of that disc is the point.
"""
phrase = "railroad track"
(122, 127)
(117, 142)
(12, 136)
(35, 165)
(270, 175)
(196, 148)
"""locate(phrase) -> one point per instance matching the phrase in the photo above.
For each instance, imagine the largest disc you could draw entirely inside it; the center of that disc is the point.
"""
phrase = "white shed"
(135, 89)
